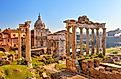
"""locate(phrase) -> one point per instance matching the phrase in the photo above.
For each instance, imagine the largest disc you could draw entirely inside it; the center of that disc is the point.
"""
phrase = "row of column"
(87, 41)
(92, 40)
(25, 26)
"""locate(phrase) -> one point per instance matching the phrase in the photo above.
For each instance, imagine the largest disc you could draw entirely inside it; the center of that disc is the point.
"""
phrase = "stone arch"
(2, 49)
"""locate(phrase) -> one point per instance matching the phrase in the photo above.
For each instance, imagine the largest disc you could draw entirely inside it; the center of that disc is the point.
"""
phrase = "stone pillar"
(28, 44)
(73, 46)
(100, 46)
(52, 46)
(68, 47)
(104, 40)
(87, 40)
(68, 41)
(81, 41)
(97, 40)
(92, 52)
(19, 43)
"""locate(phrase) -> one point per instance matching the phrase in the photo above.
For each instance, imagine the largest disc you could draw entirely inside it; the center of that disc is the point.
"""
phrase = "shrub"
(100, 55)
(115, 52)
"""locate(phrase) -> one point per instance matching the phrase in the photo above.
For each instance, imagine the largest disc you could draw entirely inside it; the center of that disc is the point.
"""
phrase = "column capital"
(68, 27)
(92, 28)
(80, 27)
(97, 28)
(104, 28)
(87, 28)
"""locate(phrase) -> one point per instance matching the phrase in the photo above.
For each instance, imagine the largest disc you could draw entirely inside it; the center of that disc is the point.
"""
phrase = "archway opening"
(2, 49)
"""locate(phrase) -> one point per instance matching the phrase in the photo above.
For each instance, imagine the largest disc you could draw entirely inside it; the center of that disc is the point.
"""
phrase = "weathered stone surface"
(84, 67)
(96, 62)
(84, 22)
(108, 60)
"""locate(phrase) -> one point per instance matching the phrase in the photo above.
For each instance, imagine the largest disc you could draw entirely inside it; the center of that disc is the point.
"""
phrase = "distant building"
(113, 32)
(43, 38)
(40, 33)
(9, 37)
(113, 38)
(57, 43)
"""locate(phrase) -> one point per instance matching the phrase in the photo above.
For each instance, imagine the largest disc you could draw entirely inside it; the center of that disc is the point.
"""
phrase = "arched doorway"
(2, 49)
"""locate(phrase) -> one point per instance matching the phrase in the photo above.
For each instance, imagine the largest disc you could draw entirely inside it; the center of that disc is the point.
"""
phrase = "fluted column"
(28, 44)
(81, 41)
(97, 40)
(104, 40)
(87, 40)
(92, 52)
(19, 43)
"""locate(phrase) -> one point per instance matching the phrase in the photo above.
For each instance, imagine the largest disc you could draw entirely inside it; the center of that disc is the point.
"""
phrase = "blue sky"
(54, 12)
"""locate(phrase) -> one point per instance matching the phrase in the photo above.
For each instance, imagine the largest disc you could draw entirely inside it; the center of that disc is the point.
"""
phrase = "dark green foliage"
(100, 55)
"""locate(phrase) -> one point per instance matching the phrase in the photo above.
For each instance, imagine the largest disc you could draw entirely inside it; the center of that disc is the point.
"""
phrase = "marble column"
(68, 41)
(67, 48)
(73, 42)
(87, 41)
(28, 44)
(92, 40)
(104, 41)
(81, 41)
(19, 43)
(73, 45)
(97, 40)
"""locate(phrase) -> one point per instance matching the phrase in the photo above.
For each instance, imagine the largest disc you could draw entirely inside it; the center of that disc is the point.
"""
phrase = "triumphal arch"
(83, 22)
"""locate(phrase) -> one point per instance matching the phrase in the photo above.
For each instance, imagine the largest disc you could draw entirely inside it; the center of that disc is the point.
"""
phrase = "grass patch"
(15, 72)
(112, 49)
(60, 66)
(36, 61)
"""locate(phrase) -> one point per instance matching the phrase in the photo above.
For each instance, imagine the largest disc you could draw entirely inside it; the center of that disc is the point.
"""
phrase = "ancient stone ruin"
(25, 28)
(83, 23)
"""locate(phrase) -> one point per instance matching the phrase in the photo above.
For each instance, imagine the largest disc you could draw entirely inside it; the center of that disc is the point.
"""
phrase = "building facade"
(57, 43)
(113, 38)
(9, 37)
(41, 38)
(40, 33)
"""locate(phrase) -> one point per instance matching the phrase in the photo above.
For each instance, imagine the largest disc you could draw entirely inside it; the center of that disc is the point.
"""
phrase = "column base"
(29, 64)
(71, 66)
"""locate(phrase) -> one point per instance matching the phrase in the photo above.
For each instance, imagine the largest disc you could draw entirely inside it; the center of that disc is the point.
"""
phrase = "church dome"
(39, 24)
(39, 21)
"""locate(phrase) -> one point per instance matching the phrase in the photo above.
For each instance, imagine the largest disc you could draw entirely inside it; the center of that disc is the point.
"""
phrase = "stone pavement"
(77, 77)
(63, 74)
